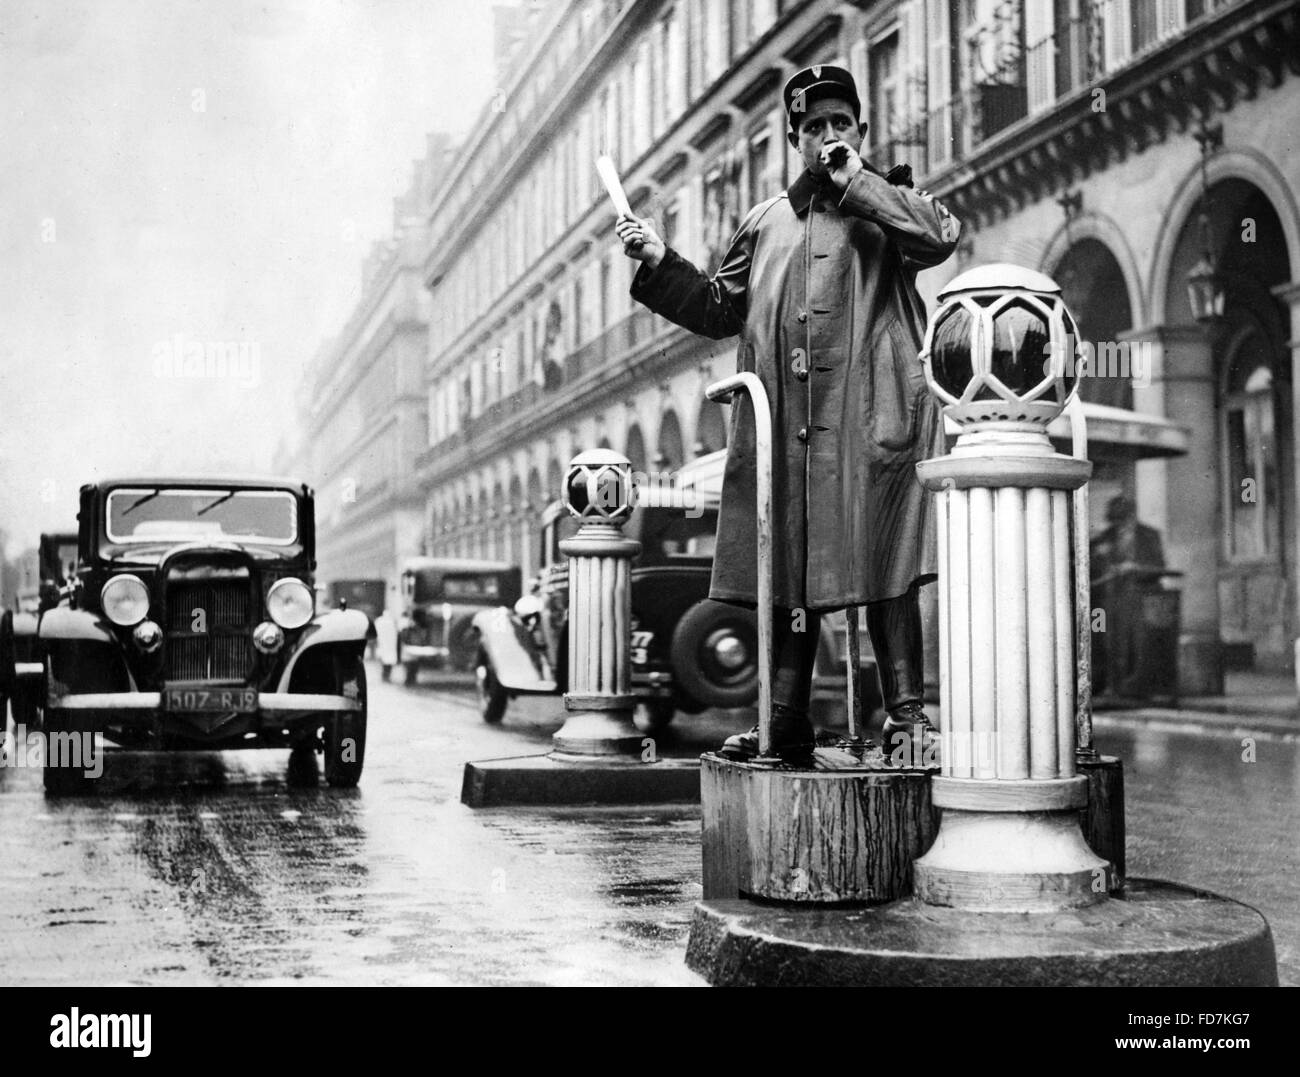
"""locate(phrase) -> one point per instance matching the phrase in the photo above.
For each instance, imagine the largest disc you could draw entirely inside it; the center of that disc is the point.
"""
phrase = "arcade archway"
(1253, 462)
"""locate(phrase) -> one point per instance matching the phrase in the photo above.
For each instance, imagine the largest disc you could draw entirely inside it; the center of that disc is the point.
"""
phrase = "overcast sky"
(178, 171)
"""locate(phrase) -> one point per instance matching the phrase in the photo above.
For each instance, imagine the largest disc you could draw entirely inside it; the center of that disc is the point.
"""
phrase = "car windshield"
(434, 587)
(156, 514)
(65, 564)
(665, 534)
(668, 534)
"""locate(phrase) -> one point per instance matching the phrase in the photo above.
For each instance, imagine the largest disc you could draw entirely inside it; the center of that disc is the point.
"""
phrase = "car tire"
(385, 673)
(411, 671)
(8, 674)
(25, 703)
(462, 648)
(492, 698)
(345, 733)
(61, 781)
(714, 655)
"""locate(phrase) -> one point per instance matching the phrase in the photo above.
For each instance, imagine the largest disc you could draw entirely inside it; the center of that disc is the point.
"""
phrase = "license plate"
(208, 700)
(641, 648)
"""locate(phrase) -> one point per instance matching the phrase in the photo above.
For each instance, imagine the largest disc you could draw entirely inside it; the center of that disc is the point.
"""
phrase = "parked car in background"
(57, 573)
(191, 624)
(688, 652)
(440, 597)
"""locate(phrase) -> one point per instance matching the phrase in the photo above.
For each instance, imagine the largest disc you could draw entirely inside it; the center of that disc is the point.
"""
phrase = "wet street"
(199, 869)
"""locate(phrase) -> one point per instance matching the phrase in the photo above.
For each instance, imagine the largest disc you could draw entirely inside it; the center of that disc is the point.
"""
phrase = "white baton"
(609, 177)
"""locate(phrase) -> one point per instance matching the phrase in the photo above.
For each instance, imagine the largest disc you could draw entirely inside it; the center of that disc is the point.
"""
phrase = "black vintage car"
(440, 597)
(688, 652)
(191, 624)
(57, 572)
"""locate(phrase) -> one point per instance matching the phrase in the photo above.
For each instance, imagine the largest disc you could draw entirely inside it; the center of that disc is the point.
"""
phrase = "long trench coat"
(820, 286)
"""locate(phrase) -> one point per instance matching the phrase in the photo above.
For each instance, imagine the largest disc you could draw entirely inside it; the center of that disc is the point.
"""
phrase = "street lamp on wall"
(1205, 290)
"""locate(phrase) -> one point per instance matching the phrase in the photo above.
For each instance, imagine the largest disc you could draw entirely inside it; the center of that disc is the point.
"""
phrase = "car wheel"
(385, 673)
(411, 671)
(462, 649)
(659, 715)
(26, 704)
(59, 780)
(8, 677)
(714, 654)
(492, 698)
(345, 732)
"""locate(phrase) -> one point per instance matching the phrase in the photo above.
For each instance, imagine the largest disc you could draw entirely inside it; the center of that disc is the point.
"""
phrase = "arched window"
(670, 456)
(1093, 287)
(1253, 494)
(634, 449)
(710, 429)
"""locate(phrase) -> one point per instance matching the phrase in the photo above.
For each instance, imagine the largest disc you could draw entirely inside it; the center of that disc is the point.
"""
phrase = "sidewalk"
(1252, 704)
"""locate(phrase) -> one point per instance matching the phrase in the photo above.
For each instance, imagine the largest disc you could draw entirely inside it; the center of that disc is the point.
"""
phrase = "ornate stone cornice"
(1204, 72)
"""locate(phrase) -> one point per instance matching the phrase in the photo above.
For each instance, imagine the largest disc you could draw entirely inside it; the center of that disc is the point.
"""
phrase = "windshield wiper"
(209, 508)
(136, 504)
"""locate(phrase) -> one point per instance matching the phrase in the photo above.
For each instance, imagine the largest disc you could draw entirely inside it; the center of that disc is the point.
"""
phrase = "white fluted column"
(599, 701)
(1010, 836)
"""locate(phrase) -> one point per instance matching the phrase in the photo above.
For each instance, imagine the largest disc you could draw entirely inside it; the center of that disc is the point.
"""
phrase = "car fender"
(327, 629)
(518, 664)
(62, 623)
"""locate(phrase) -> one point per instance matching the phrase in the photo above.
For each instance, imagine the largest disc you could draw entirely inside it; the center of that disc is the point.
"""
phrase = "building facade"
(363, 418)
(1067, 134)
(1116, 146)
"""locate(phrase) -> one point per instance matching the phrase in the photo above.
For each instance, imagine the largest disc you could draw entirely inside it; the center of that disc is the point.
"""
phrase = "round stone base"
(1158, 934)
(605, 732)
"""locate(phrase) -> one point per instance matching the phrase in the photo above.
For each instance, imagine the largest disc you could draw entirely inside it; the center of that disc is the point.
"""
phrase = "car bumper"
(29, 669)
(148, 705)
(422, 650)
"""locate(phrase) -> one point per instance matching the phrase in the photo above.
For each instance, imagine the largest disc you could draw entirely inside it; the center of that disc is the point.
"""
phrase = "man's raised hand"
(842, 164)
(640, 240)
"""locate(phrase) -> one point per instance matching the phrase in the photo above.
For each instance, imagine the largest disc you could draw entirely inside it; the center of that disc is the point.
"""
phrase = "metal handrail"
(722, 391)
(1082, 588)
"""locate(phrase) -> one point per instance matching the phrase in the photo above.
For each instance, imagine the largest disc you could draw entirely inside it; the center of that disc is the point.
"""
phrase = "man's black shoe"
(907, 728)
(793, 738)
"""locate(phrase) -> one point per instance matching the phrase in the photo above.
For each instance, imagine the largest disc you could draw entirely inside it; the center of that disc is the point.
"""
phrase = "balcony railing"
(1077, 55)
(615, 342)
(609, 348)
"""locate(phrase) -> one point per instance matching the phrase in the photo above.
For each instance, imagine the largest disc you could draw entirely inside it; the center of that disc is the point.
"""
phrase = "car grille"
(225, 651)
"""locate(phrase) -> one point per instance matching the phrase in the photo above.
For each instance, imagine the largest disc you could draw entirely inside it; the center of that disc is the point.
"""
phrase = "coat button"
(803, 316)
(803, 432)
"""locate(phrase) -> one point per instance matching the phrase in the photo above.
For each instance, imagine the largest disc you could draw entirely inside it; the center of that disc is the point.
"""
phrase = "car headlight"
(290, 603)
(125, 600)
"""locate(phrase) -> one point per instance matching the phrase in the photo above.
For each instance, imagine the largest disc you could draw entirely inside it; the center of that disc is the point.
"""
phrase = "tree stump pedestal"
(837, 833)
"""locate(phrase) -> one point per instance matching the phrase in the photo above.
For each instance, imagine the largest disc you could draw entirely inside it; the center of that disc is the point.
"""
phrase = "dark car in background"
(191, 624)
(440, 597)
(688, 652)
(57, 572)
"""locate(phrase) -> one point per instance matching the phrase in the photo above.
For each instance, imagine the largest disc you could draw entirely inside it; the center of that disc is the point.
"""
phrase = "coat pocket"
(898, 384)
